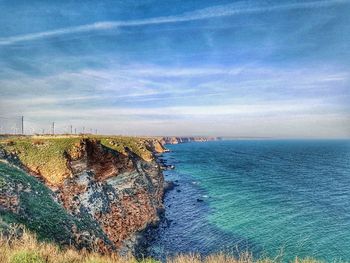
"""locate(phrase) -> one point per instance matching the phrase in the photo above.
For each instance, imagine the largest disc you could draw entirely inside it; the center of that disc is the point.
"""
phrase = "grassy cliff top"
(47, 155)
(135, 144)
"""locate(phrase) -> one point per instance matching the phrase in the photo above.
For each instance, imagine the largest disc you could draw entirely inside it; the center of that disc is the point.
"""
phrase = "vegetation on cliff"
(122, 144)
(47, 156)
(42, 156)
(25, 248)
(24, 200)
(93, 192)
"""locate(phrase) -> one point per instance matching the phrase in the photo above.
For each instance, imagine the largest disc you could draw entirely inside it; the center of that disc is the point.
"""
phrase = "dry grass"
(27, 249)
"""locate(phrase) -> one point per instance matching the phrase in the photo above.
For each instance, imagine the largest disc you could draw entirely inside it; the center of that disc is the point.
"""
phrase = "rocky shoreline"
(111, 188)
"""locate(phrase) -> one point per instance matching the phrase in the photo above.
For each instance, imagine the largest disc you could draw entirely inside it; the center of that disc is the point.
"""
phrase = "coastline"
(182, 222)
(233, 174)
(151, 232)
(114, 183)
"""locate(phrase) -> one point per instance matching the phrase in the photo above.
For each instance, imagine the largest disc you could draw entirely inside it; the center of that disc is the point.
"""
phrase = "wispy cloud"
(147, 93)
(240, 8)
(149, 82)
(248, 119)
(275, 108)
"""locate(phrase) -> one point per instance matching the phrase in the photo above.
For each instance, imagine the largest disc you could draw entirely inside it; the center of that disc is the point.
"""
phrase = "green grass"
(43, 156)
(25, 256)
(40, 213)
(136, 145)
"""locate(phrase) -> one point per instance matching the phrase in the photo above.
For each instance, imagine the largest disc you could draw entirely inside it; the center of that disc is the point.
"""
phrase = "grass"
(136, 145)
(42, 156)
(27, 249)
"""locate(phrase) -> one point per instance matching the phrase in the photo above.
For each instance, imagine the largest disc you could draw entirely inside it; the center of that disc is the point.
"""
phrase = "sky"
(146, 67)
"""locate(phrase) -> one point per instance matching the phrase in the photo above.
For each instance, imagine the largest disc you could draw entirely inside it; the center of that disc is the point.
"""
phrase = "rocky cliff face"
(120, 192)
(26, 201)
(123, 193)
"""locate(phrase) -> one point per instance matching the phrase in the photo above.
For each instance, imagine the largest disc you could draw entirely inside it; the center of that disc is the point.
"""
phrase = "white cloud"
(241, 96)
(303, 125)
(148, 82)
(276, 108)
(151, 82)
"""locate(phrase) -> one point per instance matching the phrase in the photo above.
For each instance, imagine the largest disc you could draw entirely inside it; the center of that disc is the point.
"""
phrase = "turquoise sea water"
(268, 197)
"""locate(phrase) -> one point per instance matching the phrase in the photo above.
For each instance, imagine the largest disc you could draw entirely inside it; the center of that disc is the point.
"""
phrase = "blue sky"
(227, 68)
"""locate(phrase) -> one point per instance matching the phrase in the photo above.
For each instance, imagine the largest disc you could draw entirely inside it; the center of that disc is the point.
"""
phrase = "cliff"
(176, 140)
(92, 192)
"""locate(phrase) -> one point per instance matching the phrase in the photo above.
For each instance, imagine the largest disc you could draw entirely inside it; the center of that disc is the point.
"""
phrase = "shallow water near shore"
(289, 197)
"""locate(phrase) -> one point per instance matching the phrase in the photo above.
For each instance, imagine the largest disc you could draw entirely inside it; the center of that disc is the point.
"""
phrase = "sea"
(273, 198)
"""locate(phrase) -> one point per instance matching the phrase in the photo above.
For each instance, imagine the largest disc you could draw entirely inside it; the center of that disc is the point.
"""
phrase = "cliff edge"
(99, 193)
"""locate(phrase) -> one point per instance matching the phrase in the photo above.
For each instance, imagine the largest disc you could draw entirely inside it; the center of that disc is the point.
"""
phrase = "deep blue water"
(269, 197)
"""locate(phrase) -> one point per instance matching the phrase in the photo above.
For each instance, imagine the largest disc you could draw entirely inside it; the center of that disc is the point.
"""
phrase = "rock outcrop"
(114, 185)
